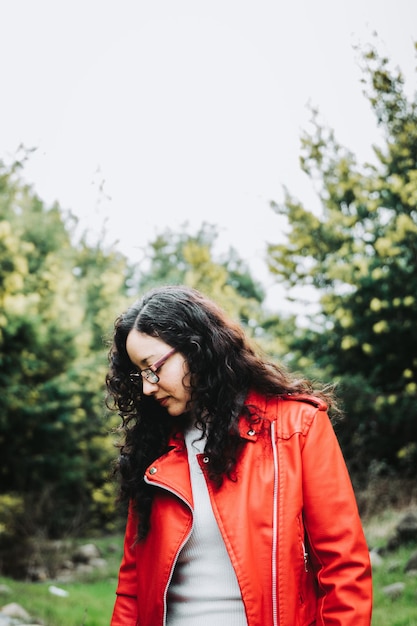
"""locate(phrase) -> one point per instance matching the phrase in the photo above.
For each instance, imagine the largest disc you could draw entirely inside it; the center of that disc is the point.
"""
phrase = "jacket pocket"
(303, 546)
(307, 587)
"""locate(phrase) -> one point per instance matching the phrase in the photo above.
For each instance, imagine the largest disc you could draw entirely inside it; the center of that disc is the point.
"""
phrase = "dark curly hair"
(223, 367)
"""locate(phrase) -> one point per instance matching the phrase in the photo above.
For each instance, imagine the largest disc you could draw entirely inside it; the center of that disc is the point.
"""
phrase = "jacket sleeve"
(337, 545)
(125, 611)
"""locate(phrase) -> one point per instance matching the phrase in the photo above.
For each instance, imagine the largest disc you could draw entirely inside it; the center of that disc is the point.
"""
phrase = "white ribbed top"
(204, 590)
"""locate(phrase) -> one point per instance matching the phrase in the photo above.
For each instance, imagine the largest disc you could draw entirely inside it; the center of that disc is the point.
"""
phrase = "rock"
(64, 577)
(98, 563)
(394, 591)
(113, 548)
(406, 529)
(5, 590)
(376, 559)
(412, 573)
(84, 569)
(5, 620)
(15, 615)
(15, 610)
(395, 566)
(405, 532)
(57, 591)
(412, 562)
(85, 553)
(37, 574)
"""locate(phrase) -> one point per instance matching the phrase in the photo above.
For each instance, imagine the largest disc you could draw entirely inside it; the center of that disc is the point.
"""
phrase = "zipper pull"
(305, 556)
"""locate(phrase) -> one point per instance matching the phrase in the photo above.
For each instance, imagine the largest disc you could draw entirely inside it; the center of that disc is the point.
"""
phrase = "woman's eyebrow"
(149, 360)
(145, 362)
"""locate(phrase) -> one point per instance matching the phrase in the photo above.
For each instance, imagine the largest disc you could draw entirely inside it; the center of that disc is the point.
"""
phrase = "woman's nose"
(148, 387)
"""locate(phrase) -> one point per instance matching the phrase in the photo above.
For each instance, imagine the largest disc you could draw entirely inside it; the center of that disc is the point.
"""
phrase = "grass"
(403, 610)
(88, 604)
(90, 600)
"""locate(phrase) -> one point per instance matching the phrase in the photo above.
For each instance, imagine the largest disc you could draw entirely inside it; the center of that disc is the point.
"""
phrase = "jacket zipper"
(274, 528)
(302, 542)
(305, 556)
(155, 484)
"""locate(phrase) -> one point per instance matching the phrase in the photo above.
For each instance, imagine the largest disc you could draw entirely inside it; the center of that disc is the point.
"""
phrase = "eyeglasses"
(149, 373)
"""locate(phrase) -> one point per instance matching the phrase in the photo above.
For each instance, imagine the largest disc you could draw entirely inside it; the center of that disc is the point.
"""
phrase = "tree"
(182, 258)
(360, 253)
(58, 300)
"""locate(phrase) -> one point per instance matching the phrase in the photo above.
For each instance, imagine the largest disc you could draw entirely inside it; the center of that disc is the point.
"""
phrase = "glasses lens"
(150, 376)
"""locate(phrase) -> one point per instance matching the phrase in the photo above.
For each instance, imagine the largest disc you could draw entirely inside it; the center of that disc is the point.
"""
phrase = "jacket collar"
(247, 430)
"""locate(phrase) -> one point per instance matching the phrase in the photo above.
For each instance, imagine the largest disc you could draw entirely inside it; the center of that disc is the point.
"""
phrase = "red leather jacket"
(290, 524)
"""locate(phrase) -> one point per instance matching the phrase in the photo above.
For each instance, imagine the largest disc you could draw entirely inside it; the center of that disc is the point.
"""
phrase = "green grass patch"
(401, 611)
(90, 599)
(88, 603)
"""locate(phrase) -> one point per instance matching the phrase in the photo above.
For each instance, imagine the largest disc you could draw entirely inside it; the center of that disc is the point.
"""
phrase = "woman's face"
(172, 391)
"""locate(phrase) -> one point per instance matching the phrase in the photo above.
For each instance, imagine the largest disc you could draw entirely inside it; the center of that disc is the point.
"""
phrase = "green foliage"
(360, 252)
(182, 258)
(58, 301)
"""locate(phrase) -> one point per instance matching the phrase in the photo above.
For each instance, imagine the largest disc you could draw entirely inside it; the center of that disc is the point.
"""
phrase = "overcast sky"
(186, 110)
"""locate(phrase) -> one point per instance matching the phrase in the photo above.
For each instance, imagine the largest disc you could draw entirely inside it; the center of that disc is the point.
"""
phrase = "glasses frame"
(149, 373)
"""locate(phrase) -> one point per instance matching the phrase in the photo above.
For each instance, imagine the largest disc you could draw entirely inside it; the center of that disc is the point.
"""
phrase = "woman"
(241, 509)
